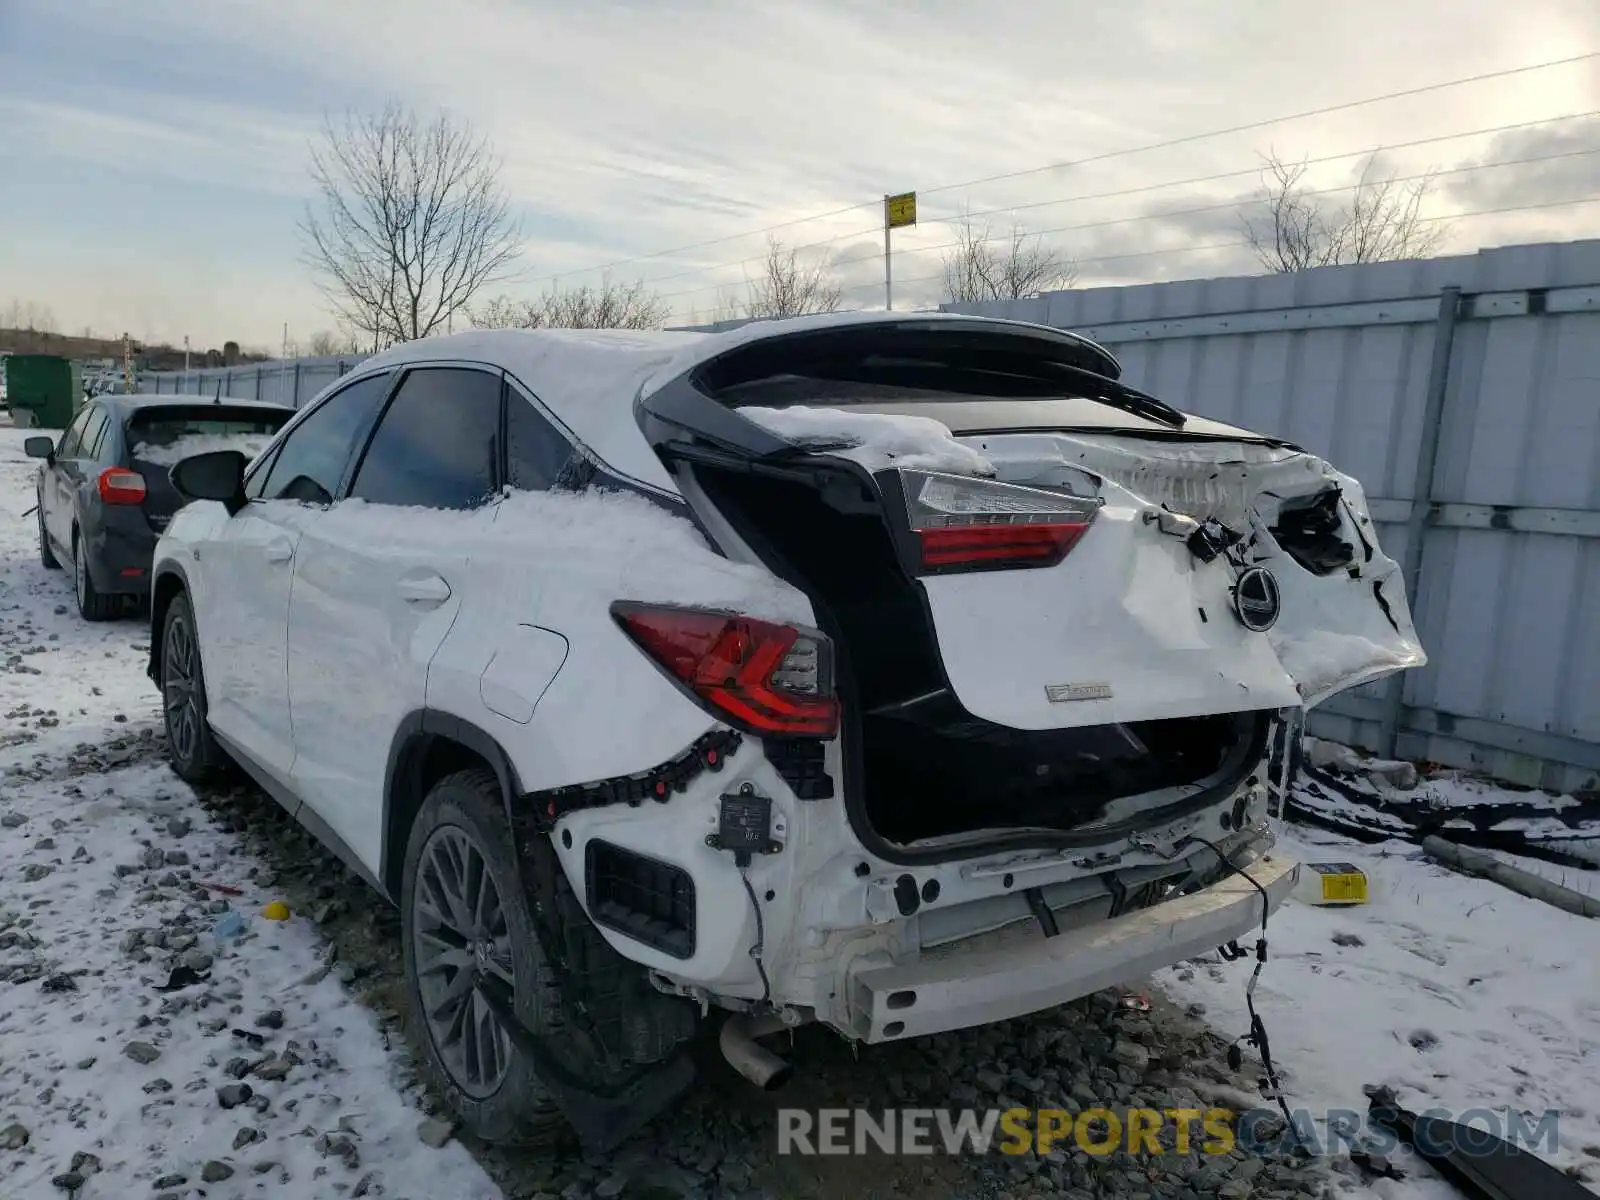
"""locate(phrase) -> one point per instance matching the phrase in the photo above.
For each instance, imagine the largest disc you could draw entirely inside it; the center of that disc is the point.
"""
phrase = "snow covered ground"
(104, 861)
(1453, 990)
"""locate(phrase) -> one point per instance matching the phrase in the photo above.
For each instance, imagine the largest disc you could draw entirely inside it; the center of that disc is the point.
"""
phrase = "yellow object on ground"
(1331, 884)
(276, 911)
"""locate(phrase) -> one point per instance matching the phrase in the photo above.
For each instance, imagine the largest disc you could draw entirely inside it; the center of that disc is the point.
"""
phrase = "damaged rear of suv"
(1060, 635)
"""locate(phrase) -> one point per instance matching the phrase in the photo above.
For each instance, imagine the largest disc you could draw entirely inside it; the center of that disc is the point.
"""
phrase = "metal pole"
(888, 261)
(1444, 334)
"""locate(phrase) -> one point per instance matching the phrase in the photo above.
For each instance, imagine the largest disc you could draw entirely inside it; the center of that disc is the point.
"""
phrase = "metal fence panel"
(292, 381)
(1340, 360)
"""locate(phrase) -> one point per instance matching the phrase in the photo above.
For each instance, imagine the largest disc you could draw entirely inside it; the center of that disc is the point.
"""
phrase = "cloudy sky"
(153, 155)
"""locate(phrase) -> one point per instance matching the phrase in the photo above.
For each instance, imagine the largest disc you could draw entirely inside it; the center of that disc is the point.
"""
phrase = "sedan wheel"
(461, 945)
(92, 606)
(47, 557)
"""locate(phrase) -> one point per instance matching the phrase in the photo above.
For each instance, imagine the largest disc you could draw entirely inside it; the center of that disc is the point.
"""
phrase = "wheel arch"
(169, 582)
(427, 746)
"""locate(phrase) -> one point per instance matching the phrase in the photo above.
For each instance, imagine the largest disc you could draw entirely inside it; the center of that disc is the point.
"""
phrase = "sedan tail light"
(121, 486)
(967, 524)
(754, 675)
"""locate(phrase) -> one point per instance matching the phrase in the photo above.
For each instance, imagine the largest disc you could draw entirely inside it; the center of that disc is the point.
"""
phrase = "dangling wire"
(1257, 1036)
(759, 948)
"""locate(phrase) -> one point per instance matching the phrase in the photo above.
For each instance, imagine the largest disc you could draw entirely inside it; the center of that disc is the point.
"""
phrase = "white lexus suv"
(899, 673)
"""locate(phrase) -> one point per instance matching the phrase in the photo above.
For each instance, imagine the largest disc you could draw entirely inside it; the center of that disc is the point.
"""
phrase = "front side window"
(437, 444)
(312, 460)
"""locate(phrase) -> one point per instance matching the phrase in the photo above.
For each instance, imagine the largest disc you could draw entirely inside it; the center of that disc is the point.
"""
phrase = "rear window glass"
(168, 436)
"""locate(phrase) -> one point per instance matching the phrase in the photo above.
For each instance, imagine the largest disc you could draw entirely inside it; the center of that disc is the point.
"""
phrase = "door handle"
(423, 589)
(279, 551)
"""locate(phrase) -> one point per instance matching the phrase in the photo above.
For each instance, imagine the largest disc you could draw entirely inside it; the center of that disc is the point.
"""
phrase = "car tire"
(191, 749)
(47, 556)
(92, 606)
(461, 831)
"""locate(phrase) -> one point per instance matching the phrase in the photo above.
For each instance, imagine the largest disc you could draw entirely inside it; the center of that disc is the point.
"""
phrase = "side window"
(256, 484)
(94, 434)
(437, 443)
(312, 460)
(536, 452)
(68, 446)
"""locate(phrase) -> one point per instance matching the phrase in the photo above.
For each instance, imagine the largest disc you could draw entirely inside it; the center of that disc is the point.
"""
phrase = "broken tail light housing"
(754, 675)
(965, 524)
(120, 486)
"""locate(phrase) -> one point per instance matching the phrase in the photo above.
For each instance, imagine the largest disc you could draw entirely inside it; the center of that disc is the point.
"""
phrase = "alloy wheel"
(462, 947)
(180, 695)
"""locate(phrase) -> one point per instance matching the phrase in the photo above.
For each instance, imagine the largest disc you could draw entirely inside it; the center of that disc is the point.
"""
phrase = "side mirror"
(215, 476)
(40, 447)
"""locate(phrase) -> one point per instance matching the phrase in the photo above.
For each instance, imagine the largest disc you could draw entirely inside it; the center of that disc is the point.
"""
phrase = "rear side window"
(437, 444)
(536, 453)
(312, 461)
(168, 435)
(94, 433)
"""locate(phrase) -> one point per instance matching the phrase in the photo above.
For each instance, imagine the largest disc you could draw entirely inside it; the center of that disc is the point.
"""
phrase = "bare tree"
(330, 342)
(788, 287)
(606, 306)
(410, 221)
(29, 316)
(981, 266)
(1381, 221)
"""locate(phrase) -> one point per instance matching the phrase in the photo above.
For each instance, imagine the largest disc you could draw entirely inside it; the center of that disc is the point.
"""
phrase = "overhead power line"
(1186, 139)
(1242, 244)
(1121, 193)
(1203, 209)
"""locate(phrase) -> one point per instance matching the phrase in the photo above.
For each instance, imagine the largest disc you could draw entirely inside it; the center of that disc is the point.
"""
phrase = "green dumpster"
(39, 391)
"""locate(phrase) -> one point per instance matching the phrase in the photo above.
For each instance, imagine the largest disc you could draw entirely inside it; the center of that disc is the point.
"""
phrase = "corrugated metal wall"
(292, 381)
(1506, 541)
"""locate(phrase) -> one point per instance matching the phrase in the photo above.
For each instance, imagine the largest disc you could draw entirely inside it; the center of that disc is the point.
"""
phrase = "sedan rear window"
(166, 436)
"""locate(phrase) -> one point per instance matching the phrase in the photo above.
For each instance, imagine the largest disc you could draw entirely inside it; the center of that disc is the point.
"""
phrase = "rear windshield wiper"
(1120, 395)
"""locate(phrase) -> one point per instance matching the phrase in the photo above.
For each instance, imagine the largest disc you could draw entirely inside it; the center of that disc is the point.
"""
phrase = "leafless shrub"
(1381, 221)
(788, 287)
(981, 266)
(606, 306)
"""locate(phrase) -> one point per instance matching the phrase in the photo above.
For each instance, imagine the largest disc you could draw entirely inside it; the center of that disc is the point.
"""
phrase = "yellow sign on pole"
(899, 211)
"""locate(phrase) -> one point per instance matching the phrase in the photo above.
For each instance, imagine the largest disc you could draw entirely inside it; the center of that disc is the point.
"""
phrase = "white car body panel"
(361, 635)
(248, 566)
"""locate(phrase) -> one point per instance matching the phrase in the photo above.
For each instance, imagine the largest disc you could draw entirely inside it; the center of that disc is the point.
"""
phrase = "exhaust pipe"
(747, 1056)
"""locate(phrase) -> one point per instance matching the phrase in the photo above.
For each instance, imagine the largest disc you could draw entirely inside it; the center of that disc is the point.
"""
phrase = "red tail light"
(756, 676)
(967, 524)
(119, 486)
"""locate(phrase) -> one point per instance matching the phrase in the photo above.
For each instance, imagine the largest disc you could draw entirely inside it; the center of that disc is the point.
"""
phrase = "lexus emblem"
(1256, 599)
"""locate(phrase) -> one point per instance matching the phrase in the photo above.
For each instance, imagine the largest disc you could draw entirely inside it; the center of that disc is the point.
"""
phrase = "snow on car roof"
(590, 378)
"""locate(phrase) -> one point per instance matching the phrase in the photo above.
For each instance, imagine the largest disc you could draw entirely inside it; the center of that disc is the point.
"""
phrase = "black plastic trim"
(410, 737)
(672, 932)
(158, 614)
(708, 753)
